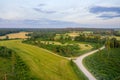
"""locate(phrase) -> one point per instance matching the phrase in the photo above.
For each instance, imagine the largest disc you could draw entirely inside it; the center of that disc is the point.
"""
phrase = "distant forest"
(4, 31)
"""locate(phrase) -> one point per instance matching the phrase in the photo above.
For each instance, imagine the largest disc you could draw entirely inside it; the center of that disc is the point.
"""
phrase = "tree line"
(112, 43)
(90, 38)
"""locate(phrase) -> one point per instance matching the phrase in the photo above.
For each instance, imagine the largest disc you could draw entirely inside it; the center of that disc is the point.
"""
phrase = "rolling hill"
(42, 63)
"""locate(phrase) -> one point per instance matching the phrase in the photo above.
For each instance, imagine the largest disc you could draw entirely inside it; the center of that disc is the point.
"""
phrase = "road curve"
(80, 65)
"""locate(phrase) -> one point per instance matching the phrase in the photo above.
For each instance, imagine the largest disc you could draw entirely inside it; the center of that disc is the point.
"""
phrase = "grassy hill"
(5, 67)
(104, 67)
(42, 63)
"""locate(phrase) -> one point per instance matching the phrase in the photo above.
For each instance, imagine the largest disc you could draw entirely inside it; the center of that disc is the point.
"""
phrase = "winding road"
(80, 65)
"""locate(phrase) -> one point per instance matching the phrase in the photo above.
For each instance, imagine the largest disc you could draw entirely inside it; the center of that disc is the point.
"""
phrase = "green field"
(5, 66)
(12, 67)
(42, 63)
(103, 65)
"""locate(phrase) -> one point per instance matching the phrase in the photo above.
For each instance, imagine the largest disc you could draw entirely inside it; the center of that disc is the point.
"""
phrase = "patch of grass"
(42, 63)
(82, 52)
(104, 67)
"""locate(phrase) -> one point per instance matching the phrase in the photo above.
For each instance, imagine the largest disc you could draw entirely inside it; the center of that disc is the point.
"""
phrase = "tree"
(7, 37)
(107, 45)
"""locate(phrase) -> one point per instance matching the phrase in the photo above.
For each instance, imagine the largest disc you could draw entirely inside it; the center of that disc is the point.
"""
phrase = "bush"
(5, 52)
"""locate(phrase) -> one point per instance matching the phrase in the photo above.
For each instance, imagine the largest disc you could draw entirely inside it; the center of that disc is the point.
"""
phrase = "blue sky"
(59, 13)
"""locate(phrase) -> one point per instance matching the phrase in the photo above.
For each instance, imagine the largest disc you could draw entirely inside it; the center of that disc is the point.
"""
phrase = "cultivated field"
(43, 64)
(20, 35)
(73, 34)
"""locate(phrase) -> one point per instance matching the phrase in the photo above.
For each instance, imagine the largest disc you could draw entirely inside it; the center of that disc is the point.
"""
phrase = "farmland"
(43, 64)
(20, 35)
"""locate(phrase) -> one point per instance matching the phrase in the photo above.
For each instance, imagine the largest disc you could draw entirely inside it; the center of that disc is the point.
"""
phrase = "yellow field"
(73, 34)
(20, 35)
(85, 46)
(118, 38)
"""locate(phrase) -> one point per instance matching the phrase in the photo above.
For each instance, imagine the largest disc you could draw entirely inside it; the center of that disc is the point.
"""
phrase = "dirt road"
(79, 63)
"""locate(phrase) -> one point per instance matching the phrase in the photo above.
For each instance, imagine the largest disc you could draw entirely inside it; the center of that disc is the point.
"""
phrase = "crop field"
(73, 34)
(42, 63)
(104, 66)
(20, 35)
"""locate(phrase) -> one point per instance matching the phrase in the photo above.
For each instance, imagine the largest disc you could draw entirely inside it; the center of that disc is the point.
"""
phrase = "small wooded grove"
(17, 68)
(64, 50)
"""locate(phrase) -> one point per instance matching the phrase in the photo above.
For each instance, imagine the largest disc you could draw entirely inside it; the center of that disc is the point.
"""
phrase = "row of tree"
(91, 39)
(42, 36)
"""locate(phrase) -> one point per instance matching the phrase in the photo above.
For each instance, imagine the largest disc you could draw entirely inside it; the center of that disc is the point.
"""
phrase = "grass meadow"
(43, 64)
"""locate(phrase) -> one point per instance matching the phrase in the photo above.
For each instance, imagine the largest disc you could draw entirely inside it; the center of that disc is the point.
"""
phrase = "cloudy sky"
(59, 13)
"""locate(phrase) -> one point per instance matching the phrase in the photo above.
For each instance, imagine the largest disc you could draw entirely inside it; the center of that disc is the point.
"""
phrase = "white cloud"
(66, 10)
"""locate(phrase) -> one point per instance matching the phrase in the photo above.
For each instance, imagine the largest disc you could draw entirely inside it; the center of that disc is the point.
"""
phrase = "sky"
(59, 13)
